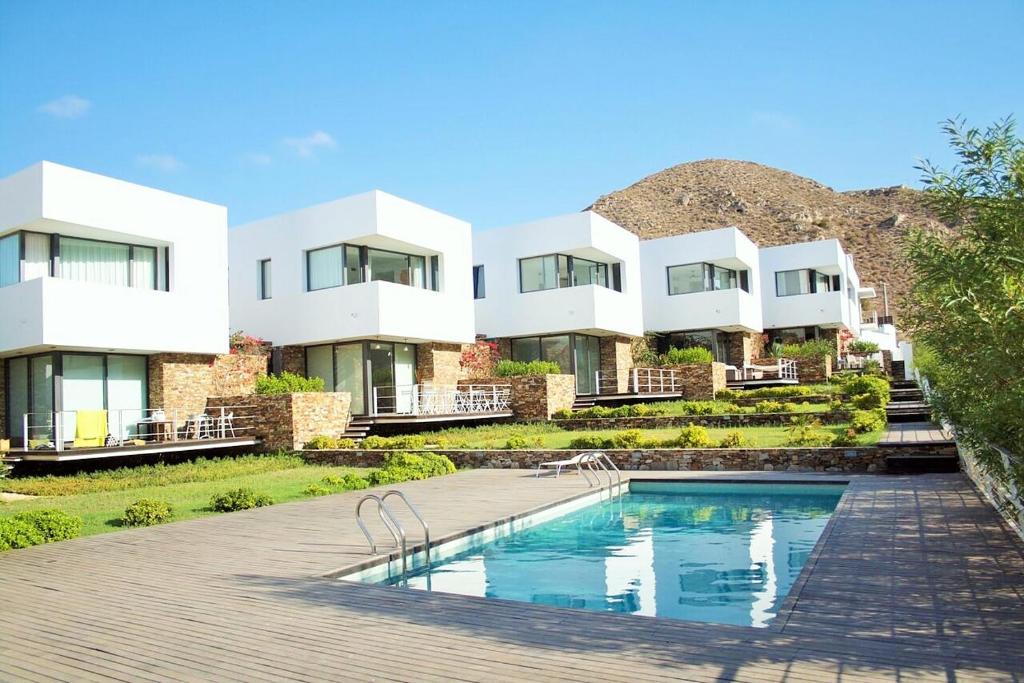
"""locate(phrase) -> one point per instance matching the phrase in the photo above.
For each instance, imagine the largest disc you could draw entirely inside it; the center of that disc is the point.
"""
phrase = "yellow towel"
(90, 428)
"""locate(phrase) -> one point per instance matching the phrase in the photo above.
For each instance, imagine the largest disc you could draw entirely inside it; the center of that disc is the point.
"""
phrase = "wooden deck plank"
(917, 579)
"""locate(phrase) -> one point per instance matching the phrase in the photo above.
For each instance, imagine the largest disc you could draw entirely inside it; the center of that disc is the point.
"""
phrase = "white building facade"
(97, 277)
(704, 289)
(370, 292)
(565, 289)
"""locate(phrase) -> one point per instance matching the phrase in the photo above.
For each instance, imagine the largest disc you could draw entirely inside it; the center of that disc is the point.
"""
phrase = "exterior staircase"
(358, 429)
(583, 402)
(918, 446)
(907, 404)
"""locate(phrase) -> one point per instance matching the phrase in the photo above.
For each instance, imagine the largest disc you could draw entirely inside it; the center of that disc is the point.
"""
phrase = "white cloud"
(161, 162)
(257, 159)
(306, 147)
(67, 107)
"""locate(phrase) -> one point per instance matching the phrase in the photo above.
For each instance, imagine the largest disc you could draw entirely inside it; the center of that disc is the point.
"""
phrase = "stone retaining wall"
(616, 362)
(858, 459)
(718, 421)
(813, 370)
(701, 381)
(288, 421)
(536, 397)
(181, 382)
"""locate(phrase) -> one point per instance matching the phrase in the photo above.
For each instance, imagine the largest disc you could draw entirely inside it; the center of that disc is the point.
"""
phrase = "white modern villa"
(105, 287)
(370, 292)
(811, 290)
(704, 289)
(565, 289)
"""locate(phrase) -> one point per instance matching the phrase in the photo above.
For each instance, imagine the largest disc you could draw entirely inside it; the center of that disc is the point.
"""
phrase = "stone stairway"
(358, 429)
(908, 404)
(917, 445)
(583, 402)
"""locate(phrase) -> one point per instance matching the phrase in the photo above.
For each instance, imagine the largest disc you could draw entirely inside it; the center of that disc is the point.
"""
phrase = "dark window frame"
(431, 278)
(613, 272)
(707, 278)
(479, 282)
(263, 268)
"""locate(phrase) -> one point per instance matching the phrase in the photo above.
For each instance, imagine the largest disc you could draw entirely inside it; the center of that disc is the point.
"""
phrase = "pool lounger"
(559, 464)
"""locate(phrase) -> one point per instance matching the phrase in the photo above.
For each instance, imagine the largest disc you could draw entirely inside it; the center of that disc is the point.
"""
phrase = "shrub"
(413, 442)
(812, 348)
(693, 436)
(793, 391)
(589, 442)
(288, 383)
(835, 405)
(867, 420)
(317, 490)
(687, 356)
(239, 499)
(729, 394)
(872, 367)
(696, 407)
(52, 524)
(17, 533)
(399, 467)
(861, 346)
(769, 407)
(848, 437)
(636, 410)
(517, 441)
(808, 433)
(562, 414)
(346, 482)
(631, 438)
(733, 439)
(515, 368)
(147, 512)
(867, 392)
(321, 443)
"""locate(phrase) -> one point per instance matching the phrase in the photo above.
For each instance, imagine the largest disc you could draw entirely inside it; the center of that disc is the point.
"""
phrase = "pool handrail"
(417, 515)
(392, 525)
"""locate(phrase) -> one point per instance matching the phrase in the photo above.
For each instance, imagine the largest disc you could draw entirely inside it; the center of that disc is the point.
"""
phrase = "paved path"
(902, 433)
(916, 579)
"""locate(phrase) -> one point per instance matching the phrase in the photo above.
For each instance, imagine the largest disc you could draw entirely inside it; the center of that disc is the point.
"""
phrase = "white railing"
(608, 383)
(435, 399)
(784, 368)
(856, 361)
(58, 430)
(656, 381)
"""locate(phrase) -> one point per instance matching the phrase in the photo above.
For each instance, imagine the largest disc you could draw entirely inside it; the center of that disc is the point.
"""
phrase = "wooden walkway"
(909, 433)
(916, 579)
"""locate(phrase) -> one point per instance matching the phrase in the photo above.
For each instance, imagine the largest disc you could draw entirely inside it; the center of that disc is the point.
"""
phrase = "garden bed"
(726, 421)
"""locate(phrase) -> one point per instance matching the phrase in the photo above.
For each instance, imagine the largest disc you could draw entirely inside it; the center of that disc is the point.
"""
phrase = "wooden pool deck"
(915, 579)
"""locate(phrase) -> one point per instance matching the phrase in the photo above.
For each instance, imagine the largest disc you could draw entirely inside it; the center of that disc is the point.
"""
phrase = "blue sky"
(494, 112)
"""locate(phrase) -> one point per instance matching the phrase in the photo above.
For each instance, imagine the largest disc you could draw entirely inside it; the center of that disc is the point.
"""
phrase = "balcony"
(724, 309)
(585, 308)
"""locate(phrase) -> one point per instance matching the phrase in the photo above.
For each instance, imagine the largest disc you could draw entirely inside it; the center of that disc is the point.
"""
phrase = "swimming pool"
(717, 552)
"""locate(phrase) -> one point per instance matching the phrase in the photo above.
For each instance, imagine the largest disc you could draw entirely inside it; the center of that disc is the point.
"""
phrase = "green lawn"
(101, 510)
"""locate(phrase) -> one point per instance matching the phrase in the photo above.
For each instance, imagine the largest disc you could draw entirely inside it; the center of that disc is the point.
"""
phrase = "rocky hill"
(774, 207)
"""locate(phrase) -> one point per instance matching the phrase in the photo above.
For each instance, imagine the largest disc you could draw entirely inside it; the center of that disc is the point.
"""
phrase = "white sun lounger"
(559, 464)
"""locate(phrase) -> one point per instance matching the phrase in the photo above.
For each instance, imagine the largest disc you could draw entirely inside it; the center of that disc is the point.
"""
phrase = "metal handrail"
(392, 525)
(417, 515)
(591, 459)
(614, 468)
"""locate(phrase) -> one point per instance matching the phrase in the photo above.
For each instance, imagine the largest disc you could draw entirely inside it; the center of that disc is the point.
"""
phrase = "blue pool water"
(725, 553)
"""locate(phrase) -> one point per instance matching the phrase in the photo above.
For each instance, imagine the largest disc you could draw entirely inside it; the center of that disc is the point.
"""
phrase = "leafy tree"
(967, 304)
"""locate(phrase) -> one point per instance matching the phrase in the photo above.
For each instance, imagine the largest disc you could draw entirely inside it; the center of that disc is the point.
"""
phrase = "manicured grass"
(100, 510)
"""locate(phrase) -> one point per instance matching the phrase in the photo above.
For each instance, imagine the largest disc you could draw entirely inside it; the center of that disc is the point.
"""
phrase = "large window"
(30, 255)
(479, 288)
(343, 367)
(348, 264)
(705, 277)
(554, 271)
(805, 281)
(577, 354)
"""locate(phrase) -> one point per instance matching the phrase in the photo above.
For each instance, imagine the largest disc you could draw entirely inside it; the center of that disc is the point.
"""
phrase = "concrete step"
(921, 463)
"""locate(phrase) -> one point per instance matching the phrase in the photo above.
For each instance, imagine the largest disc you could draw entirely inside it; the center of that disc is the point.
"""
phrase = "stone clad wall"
(438, 363)
(813, 370)
(536, 397)
(887, 363)
(287, 421)
(743, 347)
(701, 381)
(293, 359)
(181, 382)
(858, 459)
(616, 361)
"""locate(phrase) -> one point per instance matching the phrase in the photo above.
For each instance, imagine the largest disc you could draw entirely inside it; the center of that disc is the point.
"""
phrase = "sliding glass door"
(588, 363)
(359, 368)
(349, 374)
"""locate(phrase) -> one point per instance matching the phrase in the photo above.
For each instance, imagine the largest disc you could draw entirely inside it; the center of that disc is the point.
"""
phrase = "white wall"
(728, 310)
(374, 310)
(591, 309)
(826, 309)
(191, 317)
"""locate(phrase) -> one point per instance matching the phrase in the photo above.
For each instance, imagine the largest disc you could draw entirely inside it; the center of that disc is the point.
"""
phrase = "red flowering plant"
(243, 343)
(479, 359)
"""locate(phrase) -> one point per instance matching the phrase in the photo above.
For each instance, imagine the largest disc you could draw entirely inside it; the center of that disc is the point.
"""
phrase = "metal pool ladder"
(604, 463)
(394, 527)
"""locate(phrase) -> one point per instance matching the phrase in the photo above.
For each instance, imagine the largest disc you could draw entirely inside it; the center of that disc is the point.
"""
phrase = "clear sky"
(495, 112)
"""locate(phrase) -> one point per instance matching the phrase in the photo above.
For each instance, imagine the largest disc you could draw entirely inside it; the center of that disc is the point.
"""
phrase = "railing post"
(58, 430)
(24, 431)
(415, 399)
(636, 380)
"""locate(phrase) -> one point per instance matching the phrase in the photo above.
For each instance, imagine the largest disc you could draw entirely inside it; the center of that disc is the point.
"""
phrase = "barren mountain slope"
(777, 207)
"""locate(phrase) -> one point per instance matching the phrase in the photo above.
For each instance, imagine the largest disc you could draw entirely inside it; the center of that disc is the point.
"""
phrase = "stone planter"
(536, 397)
(181, 382)
(288, 421)
(813, 370)
(701, 381)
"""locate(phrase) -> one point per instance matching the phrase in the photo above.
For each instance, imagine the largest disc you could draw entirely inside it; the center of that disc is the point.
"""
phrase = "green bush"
(321, 443)
(584, 443)
(515, 368)
(872, 367)
(808, 433)
(147, 512)
(848, 437)
(399, 467)
(17, 533)
(693, 436)
(636, 410)
(769, 407)
(812, 348)
(346, 482)
(835, 405)
(288, 383)
(517, 442)
(792, 391)
(239, 499)
(861, 346)
(315, 489)
(862, 421)
(733, 439)
(867, 392)
(52, 524)
(687, 356)
(412, 442)
(631, 438)
(562, 414)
